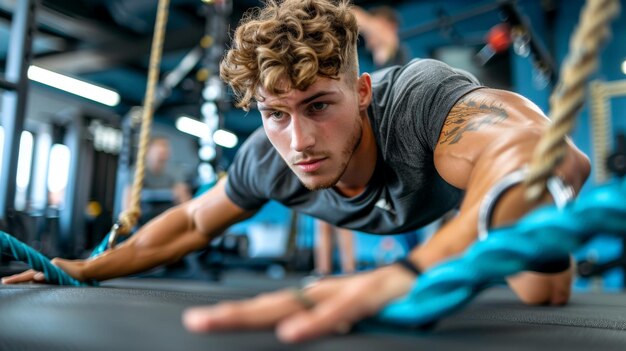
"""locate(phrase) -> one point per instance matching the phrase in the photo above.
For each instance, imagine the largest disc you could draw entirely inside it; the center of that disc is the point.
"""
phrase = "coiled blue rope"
(539, 237)
(22, 252)
(37, 261)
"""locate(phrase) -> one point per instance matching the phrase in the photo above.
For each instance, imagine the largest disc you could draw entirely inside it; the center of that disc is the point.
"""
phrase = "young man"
(382, 154)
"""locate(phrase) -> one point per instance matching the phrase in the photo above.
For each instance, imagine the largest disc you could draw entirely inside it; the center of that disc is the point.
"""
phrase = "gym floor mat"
(41, 317)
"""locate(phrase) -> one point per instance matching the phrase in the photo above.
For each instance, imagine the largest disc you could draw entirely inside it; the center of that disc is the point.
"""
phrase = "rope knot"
(128, 220)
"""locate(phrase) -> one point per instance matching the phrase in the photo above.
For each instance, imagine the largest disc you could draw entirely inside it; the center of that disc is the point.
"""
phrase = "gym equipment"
(568, 97)
(616, 163)
(521, 33)
(129, 218)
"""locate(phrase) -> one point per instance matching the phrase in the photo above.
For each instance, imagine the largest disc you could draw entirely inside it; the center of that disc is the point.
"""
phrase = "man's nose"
(302, 134)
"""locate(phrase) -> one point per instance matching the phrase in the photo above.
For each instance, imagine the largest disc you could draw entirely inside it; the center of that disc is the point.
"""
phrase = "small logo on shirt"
(385, 205)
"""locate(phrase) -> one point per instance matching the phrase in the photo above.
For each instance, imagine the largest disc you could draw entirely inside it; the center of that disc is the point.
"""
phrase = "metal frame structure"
(601, 94)
(540, 57)
(14, 100)
(216, 34)
(132, 120)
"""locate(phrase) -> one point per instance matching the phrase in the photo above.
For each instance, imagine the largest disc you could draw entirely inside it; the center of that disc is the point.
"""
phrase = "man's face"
(315, 131)
(158, 154)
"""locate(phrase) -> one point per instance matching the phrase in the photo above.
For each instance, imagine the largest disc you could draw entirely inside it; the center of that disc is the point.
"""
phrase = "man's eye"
(318, 106)
(277, 115)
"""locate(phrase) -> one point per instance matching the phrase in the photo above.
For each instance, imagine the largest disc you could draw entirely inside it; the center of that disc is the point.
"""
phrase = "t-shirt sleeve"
(431, 88)
(248, 182)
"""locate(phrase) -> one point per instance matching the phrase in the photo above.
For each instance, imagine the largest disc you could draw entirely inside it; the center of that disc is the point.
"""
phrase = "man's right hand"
(72, 267)
(165, 239)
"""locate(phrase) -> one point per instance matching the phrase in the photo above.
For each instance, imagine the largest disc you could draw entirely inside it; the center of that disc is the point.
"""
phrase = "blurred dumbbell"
(616, 162)
(230, 244)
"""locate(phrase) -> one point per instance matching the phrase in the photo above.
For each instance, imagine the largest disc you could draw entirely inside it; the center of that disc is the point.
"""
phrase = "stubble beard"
(347, 153)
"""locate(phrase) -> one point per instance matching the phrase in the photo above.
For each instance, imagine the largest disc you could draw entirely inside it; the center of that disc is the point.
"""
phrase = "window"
(1, 146)
(58, 173)
(24, 163)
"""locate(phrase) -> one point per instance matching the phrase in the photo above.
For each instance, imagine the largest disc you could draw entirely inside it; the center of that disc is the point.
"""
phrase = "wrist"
(409, 265)
(397, 276)
(76, 269)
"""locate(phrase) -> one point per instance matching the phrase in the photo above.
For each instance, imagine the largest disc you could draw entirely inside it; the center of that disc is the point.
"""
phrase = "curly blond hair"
(289, 44)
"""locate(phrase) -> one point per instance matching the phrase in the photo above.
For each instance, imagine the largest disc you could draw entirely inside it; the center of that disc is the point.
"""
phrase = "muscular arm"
(165, 239)
(488, 134)
(169, 237)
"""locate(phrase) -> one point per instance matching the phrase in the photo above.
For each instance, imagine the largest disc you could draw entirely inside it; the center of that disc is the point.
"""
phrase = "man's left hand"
(335, 305)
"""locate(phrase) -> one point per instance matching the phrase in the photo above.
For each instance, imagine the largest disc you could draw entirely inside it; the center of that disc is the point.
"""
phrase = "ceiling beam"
(74, 27)
(111, 54)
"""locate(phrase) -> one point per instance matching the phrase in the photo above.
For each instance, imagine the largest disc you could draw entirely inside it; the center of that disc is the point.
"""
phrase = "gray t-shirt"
(409, 106)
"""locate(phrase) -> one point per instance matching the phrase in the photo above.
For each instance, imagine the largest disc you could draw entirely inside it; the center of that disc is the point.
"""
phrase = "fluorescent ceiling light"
(192, 126)
(59, 170)
(74, 86)
(202, 130)
(24, 160)
(225, 138)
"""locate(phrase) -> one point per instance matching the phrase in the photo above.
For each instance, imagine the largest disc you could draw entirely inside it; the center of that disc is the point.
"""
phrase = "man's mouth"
(309, 165)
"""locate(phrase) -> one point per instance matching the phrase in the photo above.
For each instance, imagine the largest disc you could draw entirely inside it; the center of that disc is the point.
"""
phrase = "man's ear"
(364, 86)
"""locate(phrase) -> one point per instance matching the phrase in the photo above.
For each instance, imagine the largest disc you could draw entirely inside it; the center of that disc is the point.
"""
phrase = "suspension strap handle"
(561, 193)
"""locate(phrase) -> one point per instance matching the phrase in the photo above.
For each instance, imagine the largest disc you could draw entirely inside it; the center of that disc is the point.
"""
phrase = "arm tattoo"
(470, 115)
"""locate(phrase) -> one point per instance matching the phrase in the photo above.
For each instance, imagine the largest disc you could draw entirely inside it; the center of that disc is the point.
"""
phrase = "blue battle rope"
(20, 251)
(37, 261)
(537, 238)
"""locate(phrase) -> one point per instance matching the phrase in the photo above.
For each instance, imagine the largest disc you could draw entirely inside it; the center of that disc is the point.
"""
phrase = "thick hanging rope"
(568, 97)
(546, 235)
(129, 218)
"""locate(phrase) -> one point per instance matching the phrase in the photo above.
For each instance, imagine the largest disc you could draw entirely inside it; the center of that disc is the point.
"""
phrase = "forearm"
(461, 232)
(165, 239)
(449, 240)
(456, 236)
